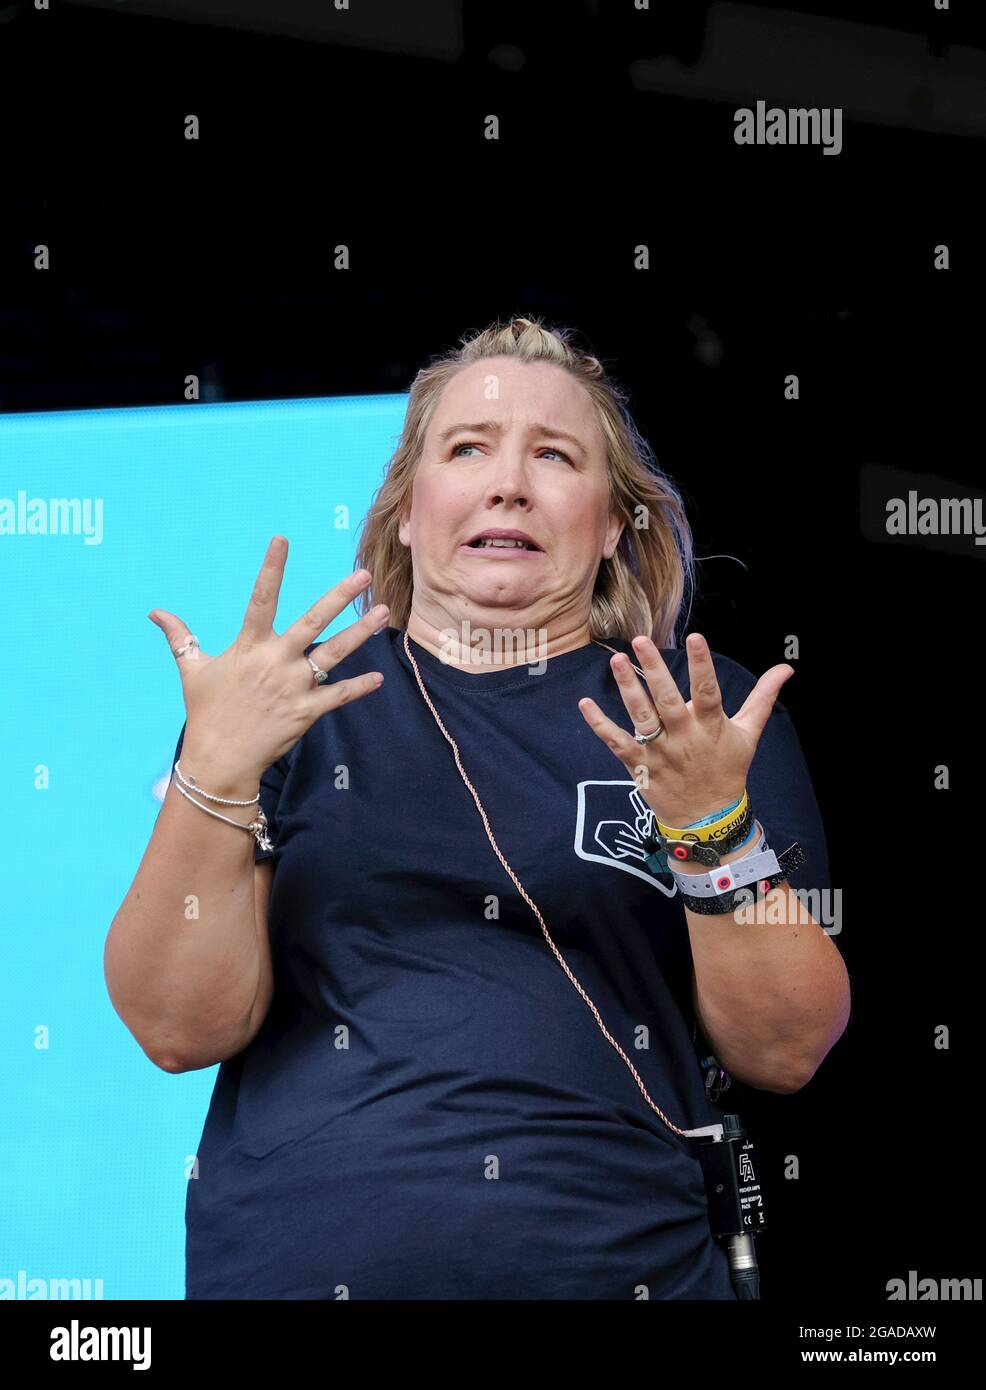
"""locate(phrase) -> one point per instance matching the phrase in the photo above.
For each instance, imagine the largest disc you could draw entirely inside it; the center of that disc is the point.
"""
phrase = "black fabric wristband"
(792, 857)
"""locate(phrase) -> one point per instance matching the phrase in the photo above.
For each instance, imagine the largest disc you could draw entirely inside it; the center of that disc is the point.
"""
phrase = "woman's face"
(531, 459)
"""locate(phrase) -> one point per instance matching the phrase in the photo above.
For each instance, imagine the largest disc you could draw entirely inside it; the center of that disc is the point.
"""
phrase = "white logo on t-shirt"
(612, 824)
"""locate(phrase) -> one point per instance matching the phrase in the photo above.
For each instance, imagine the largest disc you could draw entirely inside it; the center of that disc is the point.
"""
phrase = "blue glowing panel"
(105, 515)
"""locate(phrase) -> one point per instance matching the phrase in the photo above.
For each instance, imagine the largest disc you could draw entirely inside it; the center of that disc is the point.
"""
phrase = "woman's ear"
(613, 533)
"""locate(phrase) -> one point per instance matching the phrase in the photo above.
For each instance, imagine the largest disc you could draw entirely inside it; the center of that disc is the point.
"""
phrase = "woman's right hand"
(246, 707)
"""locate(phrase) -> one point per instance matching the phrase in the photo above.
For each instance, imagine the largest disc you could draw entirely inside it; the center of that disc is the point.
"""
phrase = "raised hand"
(700, 762)
(246, 707)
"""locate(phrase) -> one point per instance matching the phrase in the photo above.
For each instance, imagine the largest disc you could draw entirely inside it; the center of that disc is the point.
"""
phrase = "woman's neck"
(477, 647)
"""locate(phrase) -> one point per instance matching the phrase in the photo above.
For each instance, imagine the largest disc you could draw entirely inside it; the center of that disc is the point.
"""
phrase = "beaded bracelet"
(258, 827)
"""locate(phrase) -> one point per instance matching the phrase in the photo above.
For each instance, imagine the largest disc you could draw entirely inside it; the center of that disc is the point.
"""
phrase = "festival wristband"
(713, 833)
(664, 852)
(708, 820)
(694, 852)
(726, 896)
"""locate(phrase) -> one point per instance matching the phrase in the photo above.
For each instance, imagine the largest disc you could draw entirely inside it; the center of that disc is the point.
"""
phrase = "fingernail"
(361, 574)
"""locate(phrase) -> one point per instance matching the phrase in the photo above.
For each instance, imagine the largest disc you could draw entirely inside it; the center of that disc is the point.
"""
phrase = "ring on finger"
(320, 676)
(193, 641)
(648, 738)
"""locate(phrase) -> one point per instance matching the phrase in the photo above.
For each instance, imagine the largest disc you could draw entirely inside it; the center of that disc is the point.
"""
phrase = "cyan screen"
(104, 516)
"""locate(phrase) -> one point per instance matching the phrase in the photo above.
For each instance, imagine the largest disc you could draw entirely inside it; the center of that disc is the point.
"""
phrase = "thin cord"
(530, 903)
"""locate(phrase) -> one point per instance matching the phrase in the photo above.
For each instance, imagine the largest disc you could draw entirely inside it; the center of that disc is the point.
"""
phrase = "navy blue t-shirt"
(430, 1110)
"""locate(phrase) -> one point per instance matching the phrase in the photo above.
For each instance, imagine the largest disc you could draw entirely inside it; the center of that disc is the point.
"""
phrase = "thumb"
(174, 629)
(759, 704)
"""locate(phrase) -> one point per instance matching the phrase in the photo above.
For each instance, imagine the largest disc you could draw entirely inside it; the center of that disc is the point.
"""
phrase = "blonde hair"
(642, 588)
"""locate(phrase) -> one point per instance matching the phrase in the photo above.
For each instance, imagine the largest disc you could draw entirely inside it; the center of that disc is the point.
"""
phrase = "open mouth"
(495, 543)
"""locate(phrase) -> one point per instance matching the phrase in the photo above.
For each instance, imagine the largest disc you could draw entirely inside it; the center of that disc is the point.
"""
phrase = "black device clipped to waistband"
(736, 1209)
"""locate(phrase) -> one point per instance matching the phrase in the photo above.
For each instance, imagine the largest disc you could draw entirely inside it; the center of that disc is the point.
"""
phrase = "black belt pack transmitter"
(736, 1206)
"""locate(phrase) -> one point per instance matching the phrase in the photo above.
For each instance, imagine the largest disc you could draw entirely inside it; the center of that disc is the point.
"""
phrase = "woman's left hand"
(700, 762)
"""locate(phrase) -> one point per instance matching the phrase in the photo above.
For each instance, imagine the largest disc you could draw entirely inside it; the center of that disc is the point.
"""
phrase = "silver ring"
(193, 641)
(320, 676)
(649, 738)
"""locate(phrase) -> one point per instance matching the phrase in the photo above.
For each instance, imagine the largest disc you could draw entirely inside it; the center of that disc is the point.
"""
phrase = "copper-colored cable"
(532, 905)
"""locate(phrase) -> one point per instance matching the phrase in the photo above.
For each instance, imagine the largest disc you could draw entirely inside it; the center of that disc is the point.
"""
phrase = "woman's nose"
(510, 481)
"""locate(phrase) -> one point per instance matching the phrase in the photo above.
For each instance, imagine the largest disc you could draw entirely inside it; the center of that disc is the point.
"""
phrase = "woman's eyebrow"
(497, 427)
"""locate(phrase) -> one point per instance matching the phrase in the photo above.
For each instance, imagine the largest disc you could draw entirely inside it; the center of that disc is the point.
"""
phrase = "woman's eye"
(467, 445)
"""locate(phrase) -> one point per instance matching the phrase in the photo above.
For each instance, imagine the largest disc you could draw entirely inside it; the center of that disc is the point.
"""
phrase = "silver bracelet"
(223, 800)
(257, 828)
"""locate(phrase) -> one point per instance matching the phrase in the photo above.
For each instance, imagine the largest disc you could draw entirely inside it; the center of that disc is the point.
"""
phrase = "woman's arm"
(770, 987)
(187, 958)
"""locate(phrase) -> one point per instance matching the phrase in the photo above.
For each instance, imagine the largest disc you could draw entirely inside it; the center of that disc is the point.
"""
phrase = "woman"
(414, 1101)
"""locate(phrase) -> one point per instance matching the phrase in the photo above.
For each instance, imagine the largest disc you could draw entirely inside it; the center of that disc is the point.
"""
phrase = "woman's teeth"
(512, 543)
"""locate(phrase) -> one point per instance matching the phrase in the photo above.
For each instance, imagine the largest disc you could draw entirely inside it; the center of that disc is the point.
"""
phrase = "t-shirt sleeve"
(270, 794)
(780, 787)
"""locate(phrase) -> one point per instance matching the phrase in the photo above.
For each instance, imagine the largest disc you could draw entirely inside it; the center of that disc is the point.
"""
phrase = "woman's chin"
(499, 595)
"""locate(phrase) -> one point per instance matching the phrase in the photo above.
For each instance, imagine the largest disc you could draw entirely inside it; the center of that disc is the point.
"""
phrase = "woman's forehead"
(552, 403)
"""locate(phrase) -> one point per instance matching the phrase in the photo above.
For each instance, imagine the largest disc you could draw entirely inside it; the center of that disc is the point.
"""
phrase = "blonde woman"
(457, 996)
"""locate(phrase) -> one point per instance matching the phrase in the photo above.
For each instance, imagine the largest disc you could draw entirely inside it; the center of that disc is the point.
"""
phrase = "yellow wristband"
(706, 834)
